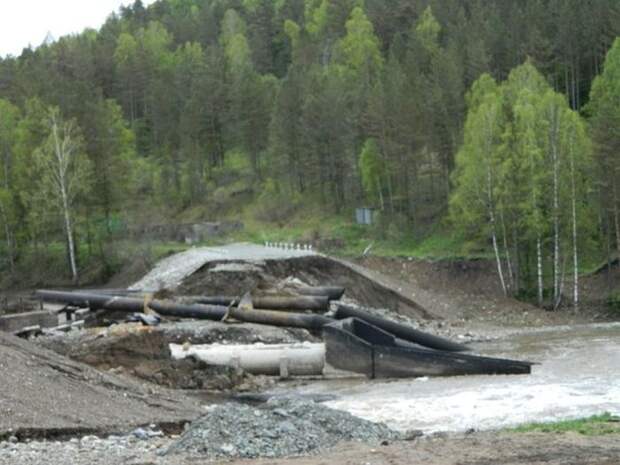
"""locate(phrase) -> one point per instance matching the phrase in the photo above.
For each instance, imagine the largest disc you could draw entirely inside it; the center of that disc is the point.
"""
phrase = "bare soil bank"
(469, 290)
(45, 394)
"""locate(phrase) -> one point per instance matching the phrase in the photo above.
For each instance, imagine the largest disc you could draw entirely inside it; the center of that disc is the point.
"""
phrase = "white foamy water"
(578, 376)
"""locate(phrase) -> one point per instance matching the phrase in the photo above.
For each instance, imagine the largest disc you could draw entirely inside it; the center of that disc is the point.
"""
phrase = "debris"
(146, 433)
(17, 321)
(28, 331)
(146, 320)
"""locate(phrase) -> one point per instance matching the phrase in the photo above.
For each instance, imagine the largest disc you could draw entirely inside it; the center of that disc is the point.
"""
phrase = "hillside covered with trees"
(496, 118)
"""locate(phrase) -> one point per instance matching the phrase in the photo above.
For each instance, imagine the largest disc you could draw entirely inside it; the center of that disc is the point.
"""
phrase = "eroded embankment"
(219, 277)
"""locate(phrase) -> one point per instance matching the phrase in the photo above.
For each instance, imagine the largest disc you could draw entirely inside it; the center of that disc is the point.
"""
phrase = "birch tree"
(579, 162)
(604, 108)
(475, 198)
(524, 168)
(64, 172)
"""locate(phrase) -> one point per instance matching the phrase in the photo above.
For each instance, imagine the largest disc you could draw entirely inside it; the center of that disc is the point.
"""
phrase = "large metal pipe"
(314, 303)
(276, 318)
(403, 332)
(198, 311)
(332, 292)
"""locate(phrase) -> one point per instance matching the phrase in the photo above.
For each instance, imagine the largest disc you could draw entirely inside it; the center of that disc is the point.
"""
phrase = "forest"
(498, 120)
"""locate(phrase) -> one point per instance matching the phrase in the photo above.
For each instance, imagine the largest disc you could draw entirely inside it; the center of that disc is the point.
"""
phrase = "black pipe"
(332, 292)
(400, 331)
(276, 302)
(198, 311)
(275, 318)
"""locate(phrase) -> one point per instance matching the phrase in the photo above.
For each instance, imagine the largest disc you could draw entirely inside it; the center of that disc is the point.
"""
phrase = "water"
(578, 376)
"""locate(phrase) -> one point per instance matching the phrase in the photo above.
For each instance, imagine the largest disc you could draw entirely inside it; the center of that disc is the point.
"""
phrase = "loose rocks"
(282, 427)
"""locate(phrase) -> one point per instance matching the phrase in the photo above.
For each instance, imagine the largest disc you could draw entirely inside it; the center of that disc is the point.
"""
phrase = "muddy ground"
(473, 449)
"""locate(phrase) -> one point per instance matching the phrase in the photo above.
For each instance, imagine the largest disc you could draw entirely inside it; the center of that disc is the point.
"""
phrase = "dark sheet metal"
(355, 345)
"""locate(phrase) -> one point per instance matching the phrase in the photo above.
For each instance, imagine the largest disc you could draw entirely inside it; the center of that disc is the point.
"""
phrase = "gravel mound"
(279, 428)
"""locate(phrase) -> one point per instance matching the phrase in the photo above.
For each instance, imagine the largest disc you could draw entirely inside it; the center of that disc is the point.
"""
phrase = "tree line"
(421, 108)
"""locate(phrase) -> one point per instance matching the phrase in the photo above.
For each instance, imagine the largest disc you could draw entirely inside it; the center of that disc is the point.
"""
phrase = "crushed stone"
(278, 428)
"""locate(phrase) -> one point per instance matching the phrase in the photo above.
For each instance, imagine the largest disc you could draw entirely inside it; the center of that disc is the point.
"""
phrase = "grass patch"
(592, 426)
(339, 235)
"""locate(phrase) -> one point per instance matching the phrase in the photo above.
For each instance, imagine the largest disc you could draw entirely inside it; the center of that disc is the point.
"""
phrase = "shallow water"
(578, 375)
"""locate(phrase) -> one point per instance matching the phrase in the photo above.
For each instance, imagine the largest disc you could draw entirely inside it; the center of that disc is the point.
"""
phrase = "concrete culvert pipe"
(284, 360)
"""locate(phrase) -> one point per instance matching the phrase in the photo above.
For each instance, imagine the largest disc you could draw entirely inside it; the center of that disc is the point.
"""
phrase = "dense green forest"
(498, 119)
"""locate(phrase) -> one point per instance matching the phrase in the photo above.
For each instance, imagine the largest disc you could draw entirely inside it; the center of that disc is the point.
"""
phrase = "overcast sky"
(24, 22)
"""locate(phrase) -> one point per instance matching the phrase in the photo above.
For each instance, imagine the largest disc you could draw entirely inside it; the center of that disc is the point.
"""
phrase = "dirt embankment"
(43, 393)
(469, 290)
(361, 284)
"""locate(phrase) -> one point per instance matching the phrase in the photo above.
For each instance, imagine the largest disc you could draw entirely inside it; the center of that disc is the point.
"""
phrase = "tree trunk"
(62, 167)
(616, 212)
(9, 238)
(539, 270)
(69, 232)
(556, 206)
(511, 283)
(575, 255)
(494, 232)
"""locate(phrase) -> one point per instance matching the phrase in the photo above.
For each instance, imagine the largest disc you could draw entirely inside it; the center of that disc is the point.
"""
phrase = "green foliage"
(274, 204)
(371, 169)
(360, 47)
(593, 426)
(428, 29)
(524, 164)
(192, 105)
(316, 16)
(604, 108)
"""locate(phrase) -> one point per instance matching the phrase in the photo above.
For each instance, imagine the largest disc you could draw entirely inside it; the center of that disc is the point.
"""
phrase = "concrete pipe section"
(283, 360)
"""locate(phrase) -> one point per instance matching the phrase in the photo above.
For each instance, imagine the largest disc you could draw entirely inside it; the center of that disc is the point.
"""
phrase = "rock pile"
(279, 428)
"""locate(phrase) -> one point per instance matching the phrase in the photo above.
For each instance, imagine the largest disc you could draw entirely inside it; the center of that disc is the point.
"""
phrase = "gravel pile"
(279, 428)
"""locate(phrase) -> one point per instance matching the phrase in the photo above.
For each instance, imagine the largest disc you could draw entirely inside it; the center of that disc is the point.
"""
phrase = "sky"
(24, 22)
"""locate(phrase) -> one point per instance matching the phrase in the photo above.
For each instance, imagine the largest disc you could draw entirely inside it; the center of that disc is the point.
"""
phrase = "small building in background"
(364, 215)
